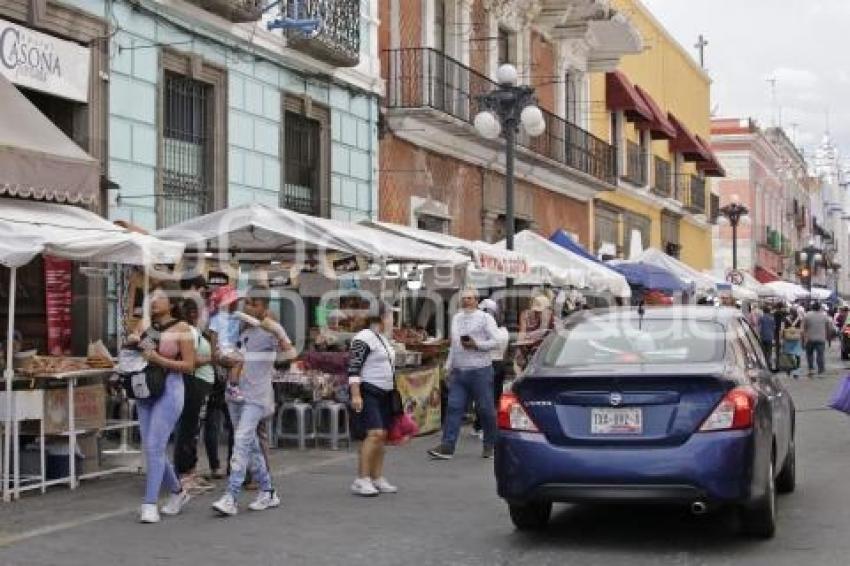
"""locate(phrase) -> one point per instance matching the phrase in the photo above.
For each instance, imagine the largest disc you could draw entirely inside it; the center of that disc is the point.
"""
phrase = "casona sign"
(42, 62)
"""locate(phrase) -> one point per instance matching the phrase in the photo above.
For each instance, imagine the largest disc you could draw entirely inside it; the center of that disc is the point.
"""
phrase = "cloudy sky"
(803, 44)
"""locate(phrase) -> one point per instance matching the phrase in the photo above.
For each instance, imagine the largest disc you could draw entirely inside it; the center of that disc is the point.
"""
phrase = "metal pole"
(9, 374)
(510, 140)
(735, 245)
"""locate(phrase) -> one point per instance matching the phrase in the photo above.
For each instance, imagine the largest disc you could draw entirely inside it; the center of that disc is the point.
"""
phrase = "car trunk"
(647, 409)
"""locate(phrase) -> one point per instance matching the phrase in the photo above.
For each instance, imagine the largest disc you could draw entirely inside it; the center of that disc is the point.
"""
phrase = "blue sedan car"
(663, 405)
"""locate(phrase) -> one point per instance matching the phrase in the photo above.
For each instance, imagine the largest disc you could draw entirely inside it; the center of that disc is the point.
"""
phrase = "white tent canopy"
(488, 258)
(277, 232)
(702, 282)
(569, 269)
(784, 290)
(29, 228)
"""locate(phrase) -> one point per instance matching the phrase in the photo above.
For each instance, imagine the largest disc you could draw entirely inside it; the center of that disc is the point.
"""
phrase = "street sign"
(735, 277)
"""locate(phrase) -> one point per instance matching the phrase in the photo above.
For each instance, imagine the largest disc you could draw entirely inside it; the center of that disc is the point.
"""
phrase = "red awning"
(764, 275)
(660, 127)
(620, 94)
(686, 143)
(712, 167)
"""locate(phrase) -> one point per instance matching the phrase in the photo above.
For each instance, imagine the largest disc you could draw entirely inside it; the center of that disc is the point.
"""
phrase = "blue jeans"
(246, 447)
(157, 420)
(466, 384)
(812, 348)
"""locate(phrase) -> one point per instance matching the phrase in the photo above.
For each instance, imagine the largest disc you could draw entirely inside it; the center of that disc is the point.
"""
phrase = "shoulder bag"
(396, 403)
(150, 382)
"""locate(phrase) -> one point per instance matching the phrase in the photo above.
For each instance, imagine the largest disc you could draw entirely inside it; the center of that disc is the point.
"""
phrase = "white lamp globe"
(506, 75)
(746, 220)
(804, 256)
(487, 125)
(818, 258)
(722, 220)
(532, 120)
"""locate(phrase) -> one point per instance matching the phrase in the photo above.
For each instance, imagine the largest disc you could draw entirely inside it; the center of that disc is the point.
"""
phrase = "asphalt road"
(446, 513)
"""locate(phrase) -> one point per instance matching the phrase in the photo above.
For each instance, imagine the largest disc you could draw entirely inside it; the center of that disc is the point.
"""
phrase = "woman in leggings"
(168, 343)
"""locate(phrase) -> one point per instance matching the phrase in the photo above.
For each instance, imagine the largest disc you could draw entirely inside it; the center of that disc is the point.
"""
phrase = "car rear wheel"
(787, 480)
(530, 516)
(759, 518)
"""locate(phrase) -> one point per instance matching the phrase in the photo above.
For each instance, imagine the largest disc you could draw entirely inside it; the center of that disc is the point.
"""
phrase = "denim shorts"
(376, 413)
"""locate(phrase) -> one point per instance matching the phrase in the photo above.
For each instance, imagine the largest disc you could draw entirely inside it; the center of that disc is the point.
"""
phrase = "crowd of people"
(790, 331)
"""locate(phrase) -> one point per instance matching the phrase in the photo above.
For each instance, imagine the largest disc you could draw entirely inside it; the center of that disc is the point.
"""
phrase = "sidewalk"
(37, 514)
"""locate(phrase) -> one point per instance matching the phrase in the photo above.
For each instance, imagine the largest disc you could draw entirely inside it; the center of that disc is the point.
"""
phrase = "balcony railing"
(237, 11)
(635, 165)
(337, 40)
(690, 191)
(422, 78)
(662, 185)
(714, 208)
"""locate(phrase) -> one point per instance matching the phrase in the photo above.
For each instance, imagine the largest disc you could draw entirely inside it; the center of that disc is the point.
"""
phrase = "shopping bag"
(402, 430)
(840, 400)
(786, 362)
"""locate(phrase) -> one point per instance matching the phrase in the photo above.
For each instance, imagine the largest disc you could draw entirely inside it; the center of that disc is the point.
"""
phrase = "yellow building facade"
(656, 110)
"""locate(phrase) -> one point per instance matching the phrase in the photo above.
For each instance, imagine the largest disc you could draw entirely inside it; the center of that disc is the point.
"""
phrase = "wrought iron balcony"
(237, 11)
(662, 184)
(428, 80)
(337, 39)
(635, 165)
(690, 191)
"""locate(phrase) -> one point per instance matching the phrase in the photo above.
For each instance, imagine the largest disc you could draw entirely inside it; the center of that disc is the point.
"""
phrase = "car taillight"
(734, 412)
(512, 415)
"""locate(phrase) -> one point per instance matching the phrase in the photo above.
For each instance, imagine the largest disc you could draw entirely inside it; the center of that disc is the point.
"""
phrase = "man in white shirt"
(474, 335)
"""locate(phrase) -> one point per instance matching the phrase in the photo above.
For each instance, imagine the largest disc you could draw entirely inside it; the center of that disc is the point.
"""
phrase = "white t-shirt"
(372, 360)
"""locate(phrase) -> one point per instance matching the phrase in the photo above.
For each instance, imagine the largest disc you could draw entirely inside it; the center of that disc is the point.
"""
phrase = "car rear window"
(632, 341)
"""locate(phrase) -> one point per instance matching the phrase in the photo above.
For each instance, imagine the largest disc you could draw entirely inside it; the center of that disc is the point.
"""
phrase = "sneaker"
(226, 505)
(364, 487)
(149, 513)
(175, 503)
(265, 500)
(442, 452)
(383, 486)
(487, 452)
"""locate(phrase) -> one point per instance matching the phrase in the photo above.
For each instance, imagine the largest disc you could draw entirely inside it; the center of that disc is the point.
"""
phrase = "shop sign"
(42, 62)
(504, 264)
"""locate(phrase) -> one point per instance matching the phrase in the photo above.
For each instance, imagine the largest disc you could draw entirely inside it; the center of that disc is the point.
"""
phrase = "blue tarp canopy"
(565, 241)
(649, 276)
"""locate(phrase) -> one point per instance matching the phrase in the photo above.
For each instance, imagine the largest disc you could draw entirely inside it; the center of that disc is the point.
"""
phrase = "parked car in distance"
(662, 405)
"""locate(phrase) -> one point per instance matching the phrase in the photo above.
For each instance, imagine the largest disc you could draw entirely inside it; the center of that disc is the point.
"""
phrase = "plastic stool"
(296, 422)
(332, 423)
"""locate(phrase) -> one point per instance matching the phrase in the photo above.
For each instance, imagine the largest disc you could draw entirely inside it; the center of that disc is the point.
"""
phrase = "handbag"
(840, 399)
(402, 430)
(395, 400)
(148, 382)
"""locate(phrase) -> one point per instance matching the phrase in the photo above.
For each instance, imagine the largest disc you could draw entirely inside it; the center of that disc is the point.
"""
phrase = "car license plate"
(616, 421)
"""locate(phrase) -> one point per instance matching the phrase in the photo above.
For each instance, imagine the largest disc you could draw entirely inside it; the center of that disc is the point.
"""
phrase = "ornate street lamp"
(733, 214)
(504, 109)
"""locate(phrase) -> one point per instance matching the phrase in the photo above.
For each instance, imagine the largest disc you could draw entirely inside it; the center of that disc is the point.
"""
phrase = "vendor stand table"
(67, 404)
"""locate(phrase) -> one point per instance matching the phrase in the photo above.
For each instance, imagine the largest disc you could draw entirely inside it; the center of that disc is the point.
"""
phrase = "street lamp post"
(504, 109)
(734, 213)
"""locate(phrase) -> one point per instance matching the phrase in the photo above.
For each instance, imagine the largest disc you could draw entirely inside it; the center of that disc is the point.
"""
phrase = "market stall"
(330, 272)
(651, 283)
(41, 388)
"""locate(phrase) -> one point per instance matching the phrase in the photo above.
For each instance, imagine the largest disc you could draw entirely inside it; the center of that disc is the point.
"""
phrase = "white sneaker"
(175, 503)
(226, 505)
(364, 487)
(383, 486)
(265, 500)
(149, 513)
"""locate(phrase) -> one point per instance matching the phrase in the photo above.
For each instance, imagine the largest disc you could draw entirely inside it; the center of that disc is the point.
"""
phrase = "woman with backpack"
(168, 343)
(792, 339)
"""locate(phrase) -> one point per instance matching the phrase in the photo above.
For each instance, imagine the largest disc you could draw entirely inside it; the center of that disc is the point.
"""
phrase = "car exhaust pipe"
(699, 508)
